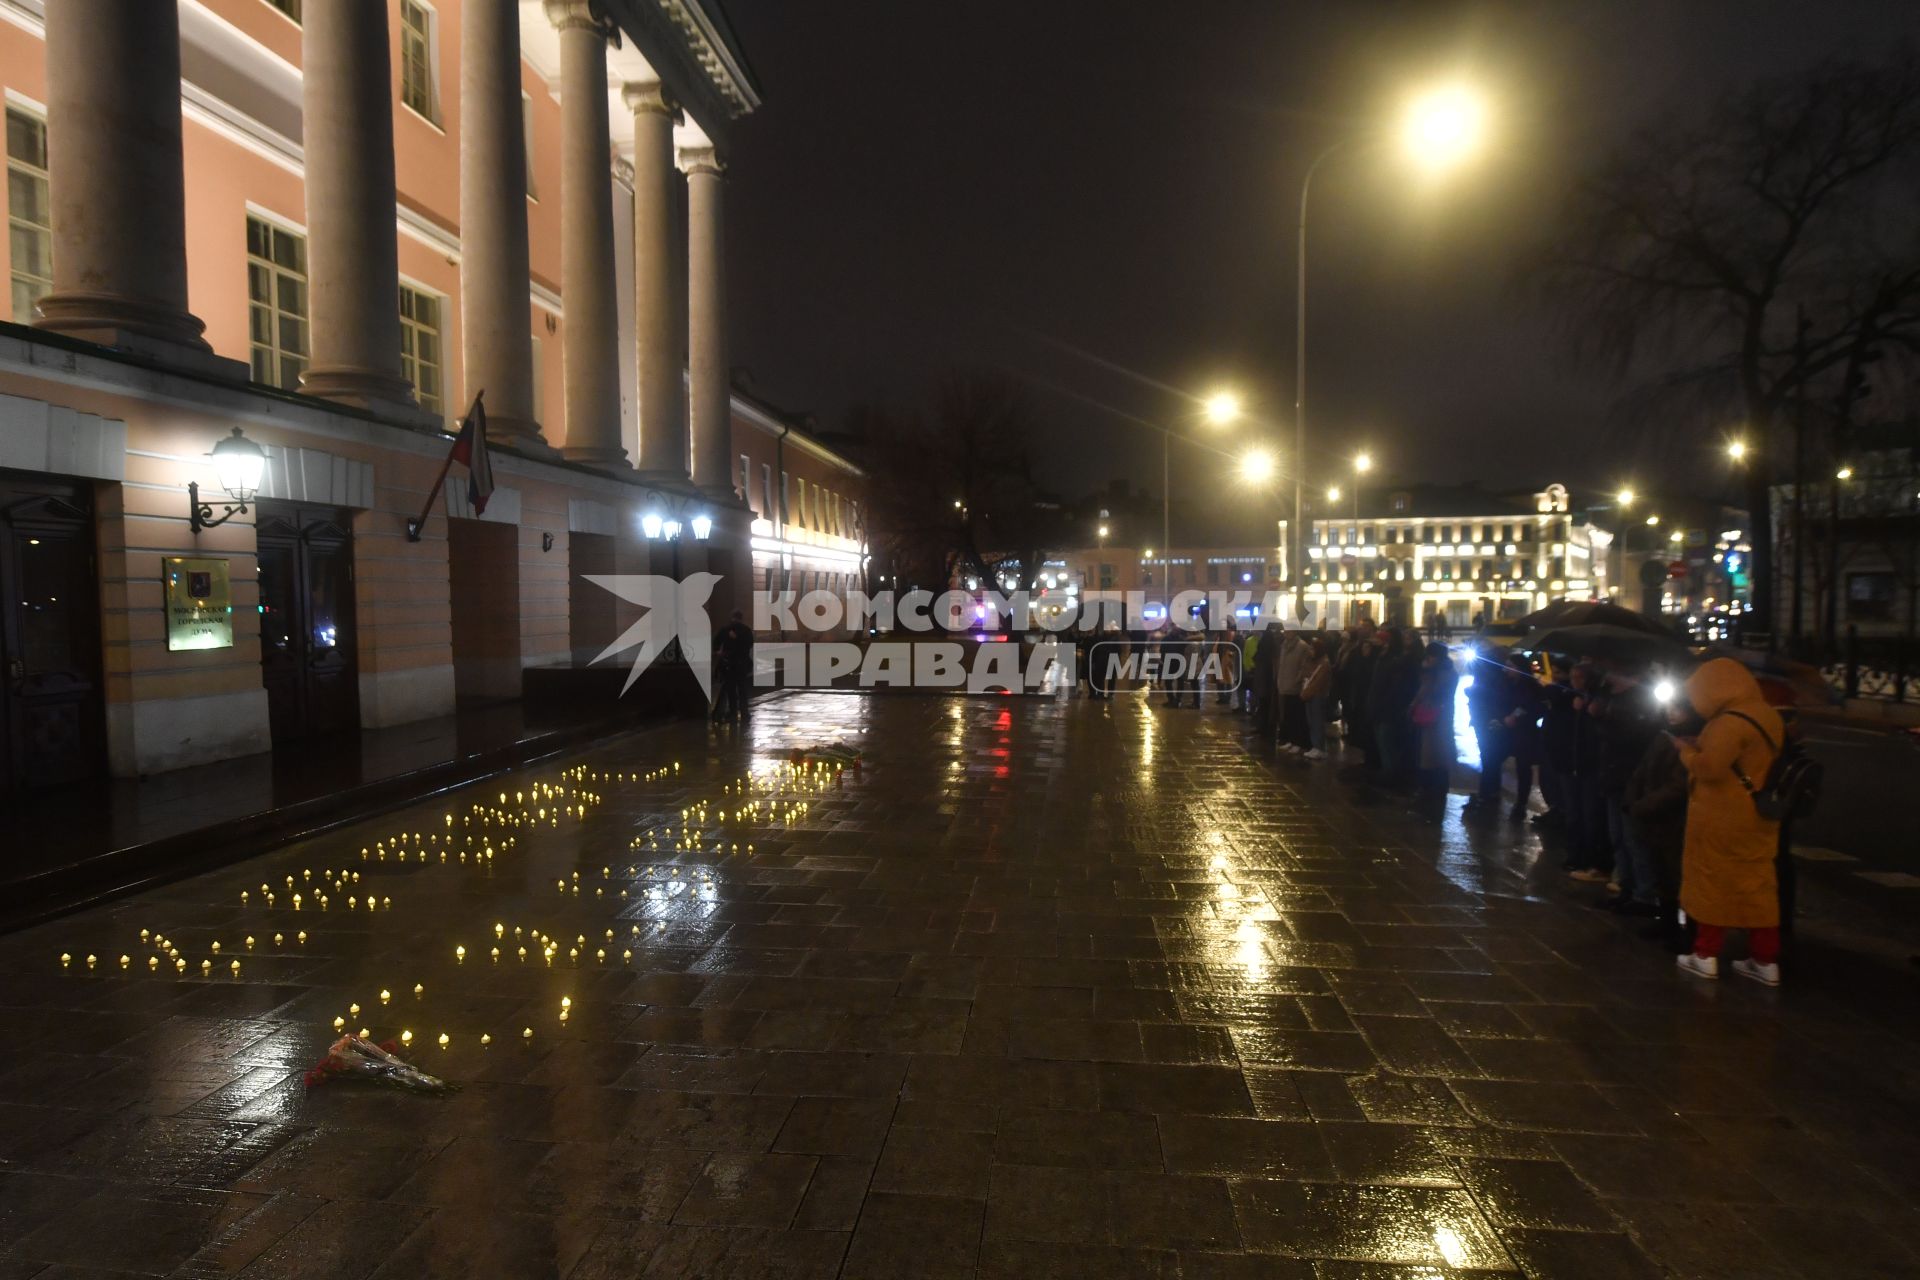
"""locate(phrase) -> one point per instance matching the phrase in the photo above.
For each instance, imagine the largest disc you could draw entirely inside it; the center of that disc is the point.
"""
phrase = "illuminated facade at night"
(330, 225)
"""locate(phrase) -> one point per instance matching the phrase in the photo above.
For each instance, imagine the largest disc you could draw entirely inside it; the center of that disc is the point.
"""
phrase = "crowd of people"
(1651, 789)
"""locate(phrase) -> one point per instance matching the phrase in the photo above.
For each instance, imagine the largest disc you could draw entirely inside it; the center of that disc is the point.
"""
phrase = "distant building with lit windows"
(1413, 556)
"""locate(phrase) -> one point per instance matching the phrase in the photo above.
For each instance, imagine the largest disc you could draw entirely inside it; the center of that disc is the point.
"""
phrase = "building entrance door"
(50, 713)
(307, 639)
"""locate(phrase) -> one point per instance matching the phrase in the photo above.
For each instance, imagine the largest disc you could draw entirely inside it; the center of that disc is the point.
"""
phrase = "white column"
(353, 258)
(586, 240)
(709, 378)
(495, 319)
(662, 416)
(114, 158)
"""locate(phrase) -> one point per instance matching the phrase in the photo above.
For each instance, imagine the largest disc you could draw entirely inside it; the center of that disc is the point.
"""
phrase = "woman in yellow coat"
(1727, 872)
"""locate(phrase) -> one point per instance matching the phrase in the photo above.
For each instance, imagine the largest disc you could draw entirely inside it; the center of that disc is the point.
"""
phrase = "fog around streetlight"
(1257, 466)
(1444, 126)
(1222, 407)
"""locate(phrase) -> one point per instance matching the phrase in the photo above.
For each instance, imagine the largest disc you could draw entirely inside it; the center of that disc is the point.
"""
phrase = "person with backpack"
(1727, 875)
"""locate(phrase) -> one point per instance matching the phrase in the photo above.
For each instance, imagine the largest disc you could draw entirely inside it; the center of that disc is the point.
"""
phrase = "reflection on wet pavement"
(1031, 987)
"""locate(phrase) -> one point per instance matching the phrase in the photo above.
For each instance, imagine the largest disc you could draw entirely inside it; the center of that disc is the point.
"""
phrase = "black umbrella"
(1619, 645)
(1583, 613)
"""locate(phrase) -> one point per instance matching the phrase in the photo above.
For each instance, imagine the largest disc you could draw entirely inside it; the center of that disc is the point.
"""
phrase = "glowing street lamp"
(1257, 466)
(1624, 498)
(1333, 493)
(1444, 126)
(1362, 463)
(1222, 407)
(1844, 473)
(1737, 450)
(1440, 128)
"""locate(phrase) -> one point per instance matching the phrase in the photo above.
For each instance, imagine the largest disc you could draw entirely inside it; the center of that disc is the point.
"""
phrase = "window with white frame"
(29, 212)
(420, 348)
(417, 88)
(276, 303)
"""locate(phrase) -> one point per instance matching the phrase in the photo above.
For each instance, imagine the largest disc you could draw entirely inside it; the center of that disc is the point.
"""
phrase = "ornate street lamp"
(238, 462)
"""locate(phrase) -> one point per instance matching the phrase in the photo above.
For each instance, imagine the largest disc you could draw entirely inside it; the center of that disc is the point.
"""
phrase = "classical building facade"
(329, 225)
(1409, 556)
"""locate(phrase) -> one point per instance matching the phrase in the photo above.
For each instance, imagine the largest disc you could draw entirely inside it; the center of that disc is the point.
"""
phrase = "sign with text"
(199, 603)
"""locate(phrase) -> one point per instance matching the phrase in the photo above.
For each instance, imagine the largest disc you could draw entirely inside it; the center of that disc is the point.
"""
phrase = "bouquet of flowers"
(355, 1058)
(836, 753)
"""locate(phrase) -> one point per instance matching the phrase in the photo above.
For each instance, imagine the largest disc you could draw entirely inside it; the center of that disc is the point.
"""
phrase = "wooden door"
(307, 638)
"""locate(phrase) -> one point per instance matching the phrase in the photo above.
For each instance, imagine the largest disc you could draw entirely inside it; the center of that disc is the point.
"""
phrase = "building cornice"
(767, 424)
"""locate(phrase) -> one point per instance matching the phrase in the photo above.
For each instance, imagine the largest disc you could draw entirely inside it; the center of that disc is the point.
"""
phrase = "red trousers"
(1764, 944)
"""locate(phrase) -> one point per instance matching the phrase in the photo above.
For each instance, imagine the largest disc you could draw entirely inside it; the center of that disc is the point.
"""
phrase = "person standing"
(1396, 676)
(1627, 724)
(1431, 716)
(1489, 702)
(1656, 801)
(1356, 673)
(733, 665)
(1286, 679)
(1316, 691)
(1226, 651)
(1592, 859)
(1727, 878)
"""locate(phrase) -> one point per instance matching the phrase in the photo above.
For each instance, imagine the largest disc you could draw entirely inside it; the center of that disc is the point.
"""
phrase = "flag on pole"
(470, 447)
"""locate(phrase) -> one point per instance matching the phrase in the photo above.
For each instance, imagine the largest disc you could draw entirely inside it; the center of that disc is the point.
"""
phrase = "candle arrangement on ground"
(688, 842)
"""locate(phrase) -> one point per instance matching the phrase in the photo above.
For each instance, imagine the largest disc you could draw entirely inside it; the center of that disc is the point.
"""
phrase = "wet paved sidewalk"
(1044, 989)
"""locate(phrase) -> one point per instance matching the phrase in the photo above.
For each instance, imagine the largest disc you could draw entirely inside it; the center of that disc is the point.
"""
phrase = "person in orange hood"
(1726, 870)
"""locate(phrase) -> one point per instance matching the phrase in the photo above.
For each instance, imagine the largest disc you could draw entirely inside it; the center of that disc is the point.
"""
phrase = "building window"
(746, 480)
(29, 215)
(289, 7)
(417, 89)
(526, 130)
(1870, 597)
(420, 356)
(277, 303)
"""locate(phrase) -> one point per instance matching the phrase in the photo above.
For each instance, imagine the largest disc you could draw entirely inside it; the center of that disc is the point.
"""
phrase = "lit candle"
(443, 1039)
(339, 1023)
(125, 961)
(460, 953)
(385, 995)
(485, 1040)
(418, 990)
(406, 1037)
(65, 959)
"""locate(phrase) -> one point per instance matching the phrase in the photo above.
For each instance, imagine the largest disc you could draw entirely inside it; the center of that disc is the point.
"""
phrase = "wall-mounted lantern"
(238, 462)
(650, 525)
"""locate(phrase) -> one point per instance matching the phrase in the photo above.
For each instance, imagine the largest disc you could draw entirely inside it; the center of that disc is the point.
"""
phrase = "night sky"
(1099, 196)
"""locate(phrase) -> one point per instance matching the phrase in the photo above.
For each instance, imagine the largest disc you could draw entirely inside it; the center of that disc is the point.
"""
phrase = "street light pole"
(1166, 490)
(1297, 552)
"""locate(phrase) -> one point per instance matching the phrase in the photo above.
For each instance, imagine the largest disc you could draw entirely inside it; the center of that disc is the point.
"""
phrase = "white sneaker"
(1699, 966)
(1316, 754)
(1767, 975)
(1290, 749)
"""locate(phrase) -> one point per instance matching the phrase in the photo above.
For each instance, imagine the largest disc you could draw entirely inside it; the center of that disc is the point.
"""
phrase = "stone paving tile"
(1043, 989)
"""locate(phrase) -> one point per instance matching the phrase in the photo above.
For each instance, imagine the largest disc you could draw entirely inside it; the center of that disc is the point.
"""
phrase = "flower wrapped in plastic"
(355, 1058)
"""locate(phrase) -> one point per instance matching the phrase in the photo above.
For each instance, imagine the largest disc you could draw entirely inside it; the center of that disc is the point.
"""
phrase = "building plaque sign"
(199, 603)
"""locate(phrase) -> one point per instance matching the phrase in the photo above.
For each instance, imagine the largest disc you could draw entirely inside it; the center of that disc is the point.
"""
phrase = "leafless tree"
(1745, 271)
(953, 492)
